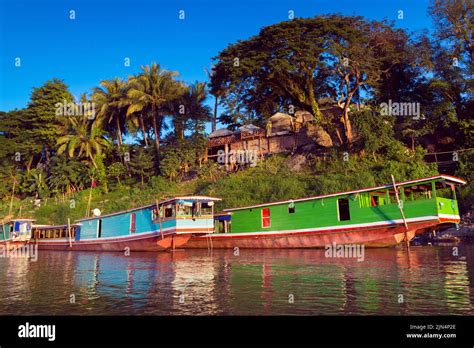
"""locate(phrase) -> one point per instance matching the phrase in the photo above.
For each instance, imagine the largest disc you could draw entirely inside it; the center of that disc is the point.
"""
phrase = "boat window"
(445, 191)
(266, 217)
(418, 192)
(184, 210)
(133, 226)
(206, 208)
(343, 209)
(374, 201)
(154, 213)
(169, 211)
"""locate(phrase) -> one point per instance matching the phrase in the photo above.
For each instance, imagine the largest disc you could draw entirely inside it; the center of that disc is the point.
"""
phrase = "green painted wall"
(447, 206)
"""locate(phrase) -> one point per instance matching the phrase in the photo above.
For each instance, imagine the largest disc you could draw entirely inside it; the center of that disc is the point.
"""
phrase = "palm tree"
(150, 93)
(67, 176)
(111, 103)
(84, 137)
(195, 113)
(216, 92)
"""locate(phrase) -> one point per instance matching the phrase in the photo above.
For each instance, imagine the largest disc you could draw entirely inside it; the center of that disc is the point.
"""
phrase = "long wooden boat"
(167, 224)
(370, 216)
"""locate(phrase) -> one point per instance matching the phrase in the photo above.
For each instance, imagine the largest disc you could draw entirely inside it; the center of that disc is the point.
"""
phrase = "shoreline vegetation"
(133, 140)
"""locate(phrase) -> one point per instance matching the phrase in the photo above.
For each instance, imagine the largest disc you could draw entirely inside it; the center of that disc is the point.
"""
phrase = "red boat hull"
(380, 236)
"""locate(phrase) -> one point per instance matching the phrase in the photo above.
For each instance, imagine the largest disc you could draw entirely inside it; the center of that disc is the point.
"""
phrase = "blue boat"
(167, 224)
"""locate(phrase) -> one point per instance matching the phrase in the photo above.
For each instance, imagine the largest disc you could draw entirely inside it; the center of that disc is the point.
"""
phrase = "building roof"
(281, 123)
(222, 132)
(448, 178)
(249, 128)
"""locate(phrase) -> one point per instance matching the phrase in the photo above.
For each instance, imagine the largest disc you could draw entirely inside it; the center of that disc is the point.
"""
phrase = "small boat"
(380, 216)
(15, 233)
(165, 225)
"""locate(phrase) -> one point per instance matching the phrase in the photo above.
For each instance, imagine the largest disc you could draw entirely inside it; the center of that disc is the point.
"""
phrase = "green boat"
(380, 216)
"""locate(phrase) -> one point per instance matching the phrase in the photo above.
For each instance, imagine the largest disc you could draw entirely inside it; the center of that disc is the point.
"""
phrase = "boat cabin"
(16, 230)
(188, 214)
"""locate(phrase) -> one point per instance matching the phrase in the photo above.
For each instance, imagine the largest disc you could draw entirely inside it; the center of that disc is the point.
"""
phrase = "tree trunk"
(178, 129)
(157, 136)
(119, 131)
(314, 106)
(348, 126)
(157, 131)
(214, 118)
(142, 125)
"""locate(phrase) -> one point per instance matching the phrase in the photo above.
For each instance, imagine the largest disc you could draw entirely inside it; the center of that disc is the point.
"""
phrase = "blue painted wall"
(5, 234)
(119, 225)
(88, 229)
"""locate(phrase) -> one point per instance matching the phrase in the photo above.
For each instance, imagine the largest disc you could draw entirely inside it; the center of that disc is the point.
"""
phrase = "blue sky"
(93, 47)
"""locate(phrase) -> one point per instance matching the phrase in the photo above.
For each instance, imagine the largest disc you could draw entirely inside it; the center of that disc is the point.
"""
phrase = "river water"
(426, 281)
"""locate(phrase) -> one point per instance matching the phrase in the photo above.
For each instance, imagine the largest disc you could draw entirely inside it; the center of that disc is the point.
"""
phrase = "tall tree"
(84, 139)
(47, 105)
(450, 87)
(111, 102)
(299, 62)
(189, 110)
(150, 93)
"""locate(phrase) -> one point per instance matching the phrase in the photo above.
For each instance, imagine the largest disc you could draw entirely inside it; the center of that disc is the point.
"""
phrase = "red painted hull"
(380, 236)
(153, 242)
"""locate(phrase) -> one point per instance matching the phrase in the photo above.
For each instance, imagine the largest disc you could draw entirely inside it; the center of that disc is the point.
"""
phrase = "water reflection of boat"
(274, 282)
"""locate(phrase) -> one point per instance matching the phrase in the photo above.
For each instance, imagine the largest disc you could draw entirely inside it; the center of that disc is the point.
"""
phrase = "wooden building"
(282, 133)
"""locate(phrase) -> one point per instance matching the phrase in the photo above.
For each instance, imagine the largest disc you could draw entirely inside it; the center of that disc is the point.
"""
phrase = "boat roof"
(166, 200)
(53, 226)
(200, 198)
(21, 219)
(445, 177)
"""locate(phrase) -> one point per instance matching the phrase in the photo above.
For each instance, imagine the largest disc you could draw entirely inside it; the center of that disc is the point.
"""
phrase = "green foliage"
(183, 155)
(466, 171)
(33, 183)
(337, 174)
(375, 131)
(44, 103)
(268, 181)
(67, 175)
(84, 139)
(116, 170)
(141, 163)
